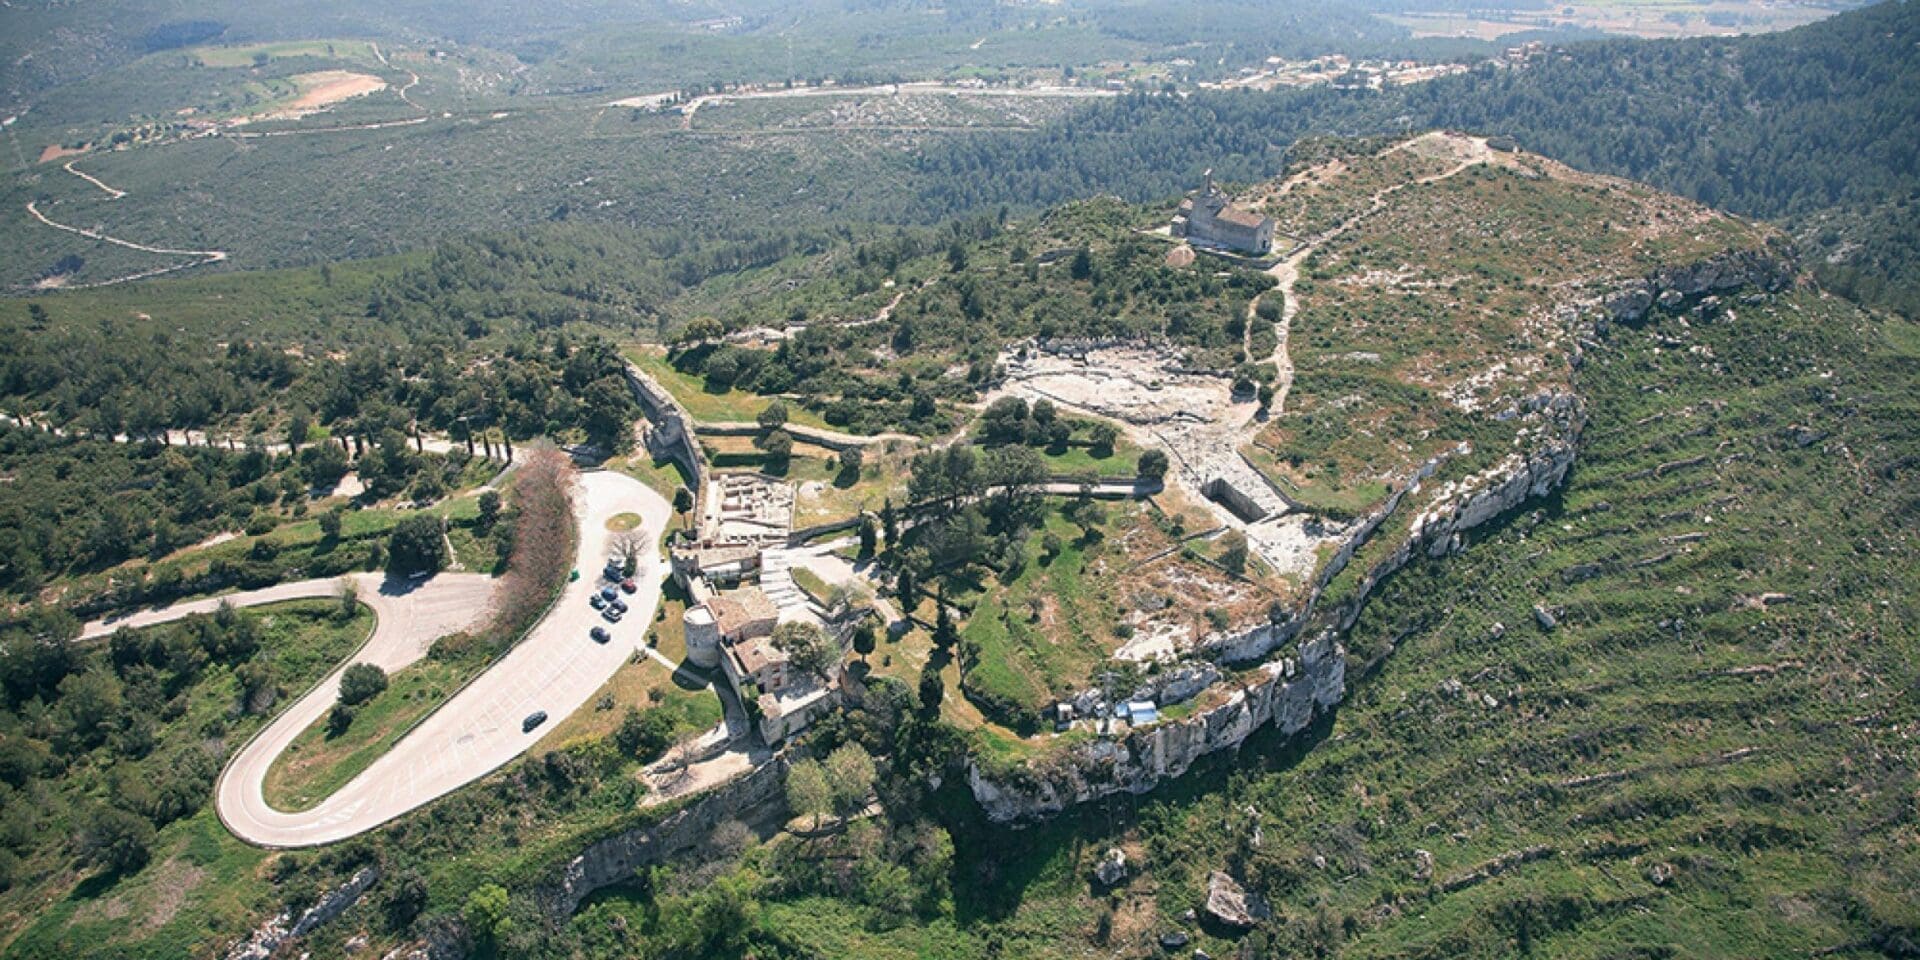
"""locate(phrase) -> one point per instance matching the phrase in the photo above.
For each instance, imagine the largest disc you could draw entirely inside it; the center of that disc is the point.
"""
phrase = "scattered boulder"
(1231, 904)
(1112, 868)
(1422, 864)
(1174, 939)
(1660, 874)
(1544, 617)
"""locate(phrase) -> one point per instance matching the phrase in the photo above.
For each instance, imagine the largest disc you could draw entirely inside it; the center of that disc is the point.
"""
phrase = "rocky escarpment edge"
(1288, 691)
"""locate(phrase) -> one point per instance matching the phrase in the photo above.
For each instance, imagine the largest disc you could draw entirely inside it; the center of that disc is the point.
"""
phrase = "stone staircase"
(776, 581)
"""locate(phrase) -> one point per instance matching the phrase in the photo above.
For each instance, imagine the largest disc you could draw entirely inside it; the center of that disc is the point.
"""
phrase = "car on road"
(612, 615)
(533, 719)
(629, 586)
(600, 635)
(599, 602)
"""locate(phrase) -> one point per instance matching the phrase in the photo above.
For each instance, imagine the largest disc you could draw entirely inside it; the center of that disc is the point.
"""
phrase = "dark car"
(608, 593)
(533, 719)
(628, 585)
(612, 615)
(599, 602)
(618, 604)
(600, 635)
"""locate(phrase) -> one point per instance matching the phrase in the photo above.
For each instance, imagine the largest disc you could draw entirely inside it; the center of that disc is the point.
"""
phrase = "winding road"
(555, 669)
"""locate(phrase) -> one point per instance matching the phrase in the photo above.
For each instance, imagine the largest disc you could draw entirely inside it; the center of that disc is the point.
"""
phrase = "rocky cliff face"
(1672, 287)
(1286, 692)
(1290, 690)
(282, 929)
(679, 834)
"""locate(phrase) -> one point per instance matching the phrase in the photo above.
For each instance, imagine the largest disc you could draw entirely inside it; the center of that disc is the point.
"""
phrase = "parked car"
(600, 635)
(599, 602)
(533, 719)
(612, 615)
(618, 604)
(612, 571)
(608, 593)
(629, 586)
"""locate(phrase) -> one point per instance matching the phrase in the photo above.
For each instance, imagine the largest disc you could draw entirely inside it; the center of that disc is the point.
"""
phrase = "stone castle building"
(1209, 218)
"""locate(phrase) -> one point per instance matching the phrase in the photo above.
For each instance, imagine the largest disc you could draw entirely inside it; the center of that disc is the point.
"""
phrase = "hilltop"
(1400, 370)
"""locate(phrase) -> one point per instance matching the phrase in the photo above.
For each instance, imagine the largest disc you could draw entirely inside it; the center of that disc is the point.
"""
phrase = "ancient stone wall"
(672, 433)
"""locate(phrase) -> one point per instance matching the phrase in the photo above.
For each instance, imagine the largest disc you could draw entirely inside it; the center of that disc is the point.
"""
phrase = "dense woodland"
(128, 377)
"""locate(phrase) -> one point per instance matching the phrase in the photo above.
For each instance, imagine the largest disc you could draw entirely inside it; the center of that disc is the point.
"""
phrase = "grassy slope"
(316, 764)
(1657, 677)
(708, 405)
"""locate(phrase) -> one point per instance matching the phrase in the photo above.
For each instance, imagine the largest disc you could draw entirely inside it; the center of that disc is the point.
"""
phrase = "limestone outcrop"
(1290, 690)
(1672, 287)
(283, 928)
(614, 859)
(1231, 904)
(1287, 692)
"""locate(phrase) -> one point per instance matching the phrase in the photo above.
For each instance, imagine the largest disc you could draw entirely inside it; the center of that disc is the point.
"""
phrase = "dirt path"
(1287, 271)
(413, 79)
(111, 192)
(204, 256)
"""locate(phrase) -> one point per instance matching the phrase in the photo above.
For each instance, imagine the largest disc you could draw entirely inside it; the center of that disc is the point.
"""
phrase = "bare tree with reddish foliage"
(541, 499)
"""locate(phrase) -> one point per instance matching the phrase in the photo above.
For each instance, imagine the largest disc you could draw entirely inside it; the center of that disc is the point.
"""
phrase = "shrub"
(339, 719)
(486, 912)
(418, 544)
(644, 736)
(1153, 464)
(361, 682)
(116, 840)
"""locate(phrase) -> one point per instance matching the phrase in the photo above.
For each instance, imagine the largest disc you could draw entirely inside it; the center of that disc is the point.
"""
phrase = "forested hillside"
(1819, 126)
